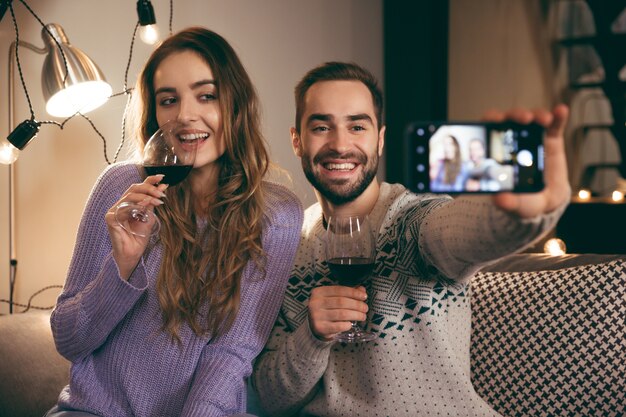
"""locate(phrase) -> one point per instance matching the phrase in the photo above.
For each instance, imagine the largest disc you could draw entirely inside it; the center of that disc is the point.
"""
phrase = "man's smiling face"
(339, 143)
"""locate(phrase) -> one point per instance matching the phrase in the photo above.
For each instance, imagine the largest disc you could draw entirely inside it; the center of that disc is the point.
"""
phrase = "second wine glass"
(351, 255)
(168, 152)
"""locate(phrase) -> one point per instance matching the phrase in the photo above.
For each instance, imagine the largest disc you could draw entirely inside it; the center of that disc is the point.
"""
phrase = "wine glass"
(350, 255)
(165, 153)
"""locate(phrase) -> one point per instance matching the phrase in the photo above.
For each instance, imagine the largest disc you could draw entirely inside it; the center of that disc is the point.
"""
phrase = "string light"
(8, 152)
(148, 31)
(66, 73)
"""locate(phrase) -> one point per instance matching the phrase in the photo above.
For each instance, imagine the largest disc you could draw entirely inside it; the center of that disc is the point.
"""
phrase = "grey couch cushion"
(549, 343)
(32, 373)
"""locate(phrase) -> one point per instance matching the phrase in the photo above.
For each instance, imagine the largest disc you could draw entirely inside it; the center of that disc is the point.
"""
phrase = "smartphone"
(474, 157)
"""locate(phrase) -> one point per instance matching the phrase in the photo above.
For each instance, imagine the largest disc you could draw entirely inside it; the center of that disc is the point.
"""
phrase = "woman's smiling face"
(185, 90)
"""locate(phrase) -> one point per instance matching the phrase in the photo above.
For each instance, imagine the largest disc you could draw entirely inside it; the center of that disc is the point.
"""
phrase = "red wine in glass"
(350, 256)
(350, 271)
(173, 174)
(165, 153)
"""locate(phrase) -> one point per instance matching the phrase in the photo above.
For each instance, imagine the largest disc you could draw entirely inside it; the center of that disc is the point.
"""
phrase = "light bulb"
(149, 34)
(8, 153)
(584, 194)
(554, 247)
(148, 31)
(617, 196)
(82, 97)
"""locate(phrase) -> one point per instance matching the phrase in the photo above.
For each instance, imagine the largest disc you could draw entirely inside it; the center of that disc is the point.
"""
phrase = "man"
(428, 247)
(482, 171)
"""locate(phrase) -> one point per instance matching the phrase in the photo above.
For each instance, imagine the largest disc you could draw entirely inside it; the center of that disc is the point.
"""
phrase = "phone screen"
(464, 157)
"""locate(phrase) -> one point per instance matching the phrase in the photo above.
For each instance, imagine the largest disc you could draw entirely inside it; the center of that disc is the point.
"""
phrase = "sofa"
(549, 335)
(548, 339)
(32, 373)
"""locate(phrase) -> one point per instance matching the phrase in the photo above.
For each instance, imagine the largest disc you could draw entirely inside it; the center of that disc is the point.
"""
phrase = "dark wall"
(416, 71)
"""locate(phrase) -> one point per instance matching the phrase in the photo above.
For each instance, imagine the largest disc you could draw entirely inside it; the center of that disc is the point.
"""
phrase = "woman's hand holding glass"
(170, 154)
(168, 158)
(128, 247)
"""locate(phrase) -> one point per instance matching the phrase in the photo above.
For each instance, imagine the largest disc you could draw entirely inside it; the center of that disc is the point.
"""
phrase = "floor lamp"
(71, 83)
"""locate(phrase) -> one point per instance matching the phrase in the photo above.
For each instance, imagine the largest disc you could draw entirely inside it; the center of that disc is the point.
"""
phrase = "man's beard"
(341, 192)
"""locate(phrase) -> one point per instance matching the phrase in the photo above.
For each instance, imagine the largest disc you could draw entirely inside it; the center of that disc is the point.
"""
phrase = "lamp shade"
(84, 88)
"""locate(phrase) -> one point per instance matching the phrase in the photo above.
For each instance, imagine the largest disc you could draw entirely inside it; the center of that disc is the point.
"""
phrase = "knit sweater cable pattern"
(428, 247)
(123, 363)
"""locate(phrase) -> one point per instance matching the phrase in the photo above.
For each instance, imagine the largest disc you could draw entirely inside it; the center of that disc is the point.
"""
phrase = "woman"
(452, 172)
(170, 326)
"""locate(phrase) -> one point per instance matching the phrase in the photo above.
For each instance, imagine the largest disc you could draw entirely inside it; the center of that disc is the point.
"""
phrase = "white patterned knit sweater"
(427, 248)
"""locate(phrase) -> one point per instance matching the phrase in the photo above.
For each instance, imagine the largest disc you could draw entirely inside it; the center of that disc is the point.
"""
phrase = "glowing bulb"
(149, 34)
(8, 153)
(584, 194)
(82, 97)
(554, 247)
(617, 196)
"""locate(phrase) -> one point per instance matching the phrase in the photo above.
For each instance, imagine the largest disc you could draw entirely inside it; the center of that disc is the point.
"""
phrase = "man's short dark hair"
(339, 71)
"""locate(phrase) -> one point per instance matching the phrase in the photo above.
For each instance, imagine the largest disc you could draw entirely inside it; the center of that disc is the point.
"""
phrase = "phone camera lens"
(420, 132)
(420, 149)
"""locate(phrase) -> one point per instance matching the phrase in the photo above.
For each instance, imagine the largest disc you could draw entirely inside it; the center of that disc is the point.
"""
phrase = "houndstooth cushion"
(551, 343)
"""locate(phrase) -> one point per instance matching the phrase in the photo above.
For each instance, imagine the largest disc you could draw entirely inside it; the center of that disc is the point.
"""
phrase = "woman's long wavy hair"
(452, 167)
(199, 280)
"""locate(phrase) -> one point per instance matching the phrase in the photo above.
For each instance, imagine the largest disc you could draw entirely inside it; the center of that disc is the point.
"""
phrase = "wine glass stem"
(139, 215)
(356, 330)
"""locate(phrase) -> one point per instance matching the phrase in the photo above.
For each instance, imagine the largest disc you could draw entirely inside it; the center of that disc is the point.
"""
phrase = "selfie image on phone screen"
(447, 157)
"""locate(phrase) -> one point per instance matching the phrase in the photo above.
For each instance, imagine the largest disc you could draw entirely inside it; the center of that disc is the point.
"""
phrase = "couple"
(173, 326)
(451, 173)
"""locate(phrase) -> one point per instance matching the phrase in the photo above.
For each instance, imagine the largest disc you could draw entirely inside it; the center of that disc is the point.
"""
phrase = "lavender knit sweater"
(123, 364)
